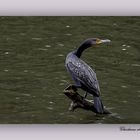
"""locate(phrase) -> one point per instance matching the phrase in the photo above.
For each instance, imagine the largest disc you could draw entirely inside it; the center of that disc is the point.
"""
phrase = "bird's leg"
(85, 94)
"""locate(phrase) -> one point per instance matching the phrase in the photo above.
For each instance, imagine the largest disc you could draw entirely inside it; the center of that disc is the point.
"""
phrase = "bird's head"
(89, 43)
(97, 41)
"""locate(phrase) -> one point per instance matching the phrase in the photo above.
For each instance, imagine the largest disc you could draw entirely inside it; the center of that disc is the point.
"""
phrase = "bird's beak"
(103, 41)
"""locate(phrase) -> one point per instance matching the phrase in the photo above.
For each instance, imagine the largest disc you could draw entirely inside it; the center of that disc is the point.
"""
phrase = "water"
(33, 76)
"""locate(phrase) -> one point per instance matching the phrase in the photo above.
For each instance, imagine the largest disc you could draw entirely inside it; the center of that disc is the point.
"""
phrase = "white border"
(68, 132)
(70, 7)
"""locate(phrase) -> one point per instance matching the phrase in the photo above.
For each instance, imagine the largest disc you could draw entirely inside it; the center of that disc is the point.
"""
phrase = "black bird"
(83, 75)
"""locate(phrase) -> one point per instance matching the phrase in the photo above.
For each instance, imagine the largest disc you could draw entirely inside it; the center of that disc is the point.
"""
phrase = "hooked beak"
(103, 41)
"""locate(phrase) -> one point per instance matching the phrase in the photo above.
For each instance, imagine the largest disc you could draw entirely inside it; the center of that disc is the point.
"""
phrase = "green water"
(33, 76)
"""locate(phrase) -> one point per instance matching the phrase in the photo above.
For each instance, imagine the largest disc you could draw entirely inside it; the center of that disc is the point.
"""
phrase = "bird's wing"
(82, 72)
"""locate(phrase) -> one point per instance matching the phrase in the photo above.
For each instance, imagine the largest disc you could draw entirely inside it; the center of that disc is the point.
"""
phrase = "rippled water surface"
(33, 76)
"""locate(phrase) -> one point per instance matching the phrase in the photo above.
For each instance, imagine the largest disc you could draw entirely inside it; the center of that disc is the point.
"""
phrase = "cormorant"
(83, 75)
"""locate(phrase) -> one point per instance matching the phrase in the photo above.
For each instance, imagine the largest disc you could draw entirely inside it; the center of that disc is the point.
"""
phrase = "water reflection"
(25, 71)
(48, 46)
(68, 34)
(42, 49)
(135, 65)
(68, 26)
(22, 34)
(36, 38)
(6, 53)
(6, 70)
(25, 94)
(60, 44)
(123, 86)
(50, 108)
(61, 55)
(124, 49)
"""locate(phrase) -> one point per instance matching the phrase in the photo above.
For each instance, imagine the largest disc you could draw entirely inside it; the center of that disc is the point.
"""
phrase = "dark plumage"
(83, 75)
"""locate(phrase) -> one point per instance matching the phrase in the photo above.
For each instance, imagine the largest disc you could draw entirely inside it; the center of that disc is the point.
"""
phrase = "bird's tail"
(98, 105)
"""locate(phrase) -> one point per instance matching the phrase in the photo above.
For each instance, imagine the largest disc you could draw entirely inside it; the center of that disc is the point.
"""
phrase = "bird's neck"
(80, 50)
